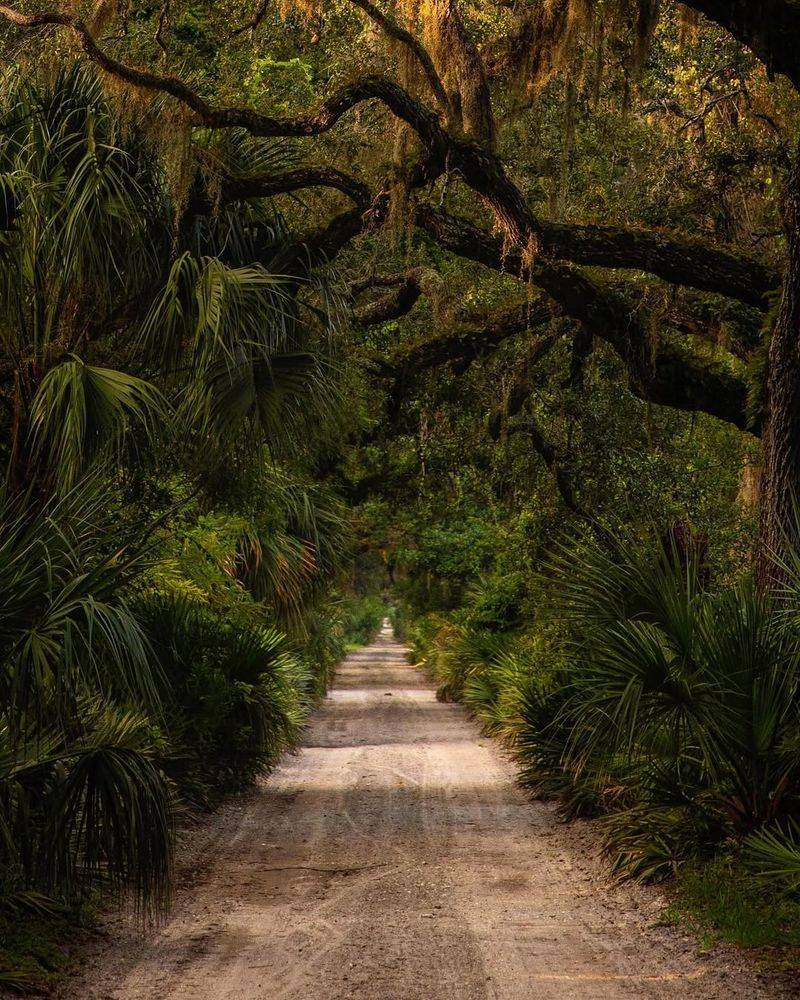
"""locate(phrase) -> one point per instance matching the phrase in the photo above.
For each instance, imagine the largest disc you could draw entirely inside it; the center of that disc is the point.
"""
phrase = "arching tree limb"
(674, 377)
(682, 262)
(476, 340)
(406, 290)
(241, 187)
(605, 315)
(481, 170)
(770, 29)
(561, 473)
(424, 122)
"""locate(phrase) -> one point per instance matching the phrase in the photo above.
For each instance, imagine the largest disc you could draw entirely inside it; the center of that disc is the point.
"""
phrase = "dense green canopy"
(328, 296)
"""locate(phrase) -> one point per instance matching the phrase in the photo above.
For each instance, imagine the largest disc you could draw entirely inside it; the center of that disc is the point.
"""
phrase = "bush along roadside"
(662, 706)
(169, 555)
(364, 616)
(163, 678)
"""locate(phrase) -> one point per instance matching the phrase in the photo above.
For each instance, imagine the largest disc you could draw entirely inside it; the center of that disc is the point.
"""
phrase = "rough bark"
(681, 262)
(242, 187)
(781, 481)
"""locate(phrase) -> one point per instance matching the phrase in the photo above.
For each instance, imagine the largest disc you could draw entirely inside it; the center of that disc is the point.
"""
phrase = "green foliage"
(167, 554)
(65, 626)
(155, 335)
(83, 212)
(496, 603)
(773, 856)
(235, 330)
(696, 689)
(643, 696)
(720, 901)
(82, 795)
(236, 697)
(82, 413)
(280, 84)
(363, 617)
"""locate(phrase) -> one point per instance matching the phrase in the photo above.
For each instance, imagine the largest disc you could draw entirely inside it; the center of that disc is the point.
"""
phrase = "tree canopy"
(436, 282)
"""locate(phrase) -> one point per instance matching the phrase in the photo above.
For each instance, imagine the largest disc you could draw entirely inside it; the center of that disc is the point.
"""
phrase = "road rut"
(394, 858)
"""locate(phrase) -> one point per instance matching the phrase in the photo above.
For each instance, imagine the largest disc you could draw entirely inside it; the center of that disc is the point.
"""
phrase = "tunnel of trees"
(492, 308)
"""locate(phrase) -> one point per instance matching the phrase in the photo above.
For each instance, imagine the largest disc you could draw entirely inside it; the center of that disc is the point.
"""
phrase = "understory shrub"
(236, 696)
(141, 676)
(362, 617)
(648, 698)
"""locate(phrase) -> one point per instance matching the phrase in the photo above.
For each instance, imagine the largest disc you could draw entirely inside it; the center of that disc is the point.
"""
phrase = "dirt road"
(394, 859)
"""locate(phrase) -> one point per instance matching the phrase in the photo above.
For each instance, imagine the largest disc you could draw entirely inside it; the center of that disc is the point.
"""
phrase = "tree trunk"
(781, 483)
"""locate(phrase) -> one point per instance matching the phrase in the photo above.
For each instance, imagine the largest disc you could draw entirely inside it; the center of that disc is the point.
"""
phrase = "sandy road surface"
(394, 858)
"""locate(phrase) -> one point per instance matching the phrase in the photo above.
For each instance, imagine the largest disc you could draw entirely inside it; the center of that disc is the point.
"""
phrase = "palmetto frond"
(64, 625)
(82, 413)
(109, 305)
(773, 856)
(86, 808)
(236, 334)
(664, 670)
(84, 211)
(207, 309)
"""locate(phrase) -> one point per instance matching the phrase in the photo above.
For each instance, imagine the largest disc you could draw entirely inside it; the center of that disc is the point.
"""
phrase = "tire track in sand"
(394, 858)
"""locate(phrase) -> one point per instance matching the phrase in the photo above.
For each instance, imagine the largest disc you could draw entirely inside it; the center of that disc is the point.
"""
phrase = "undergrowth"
(639, 694)
(718, 901)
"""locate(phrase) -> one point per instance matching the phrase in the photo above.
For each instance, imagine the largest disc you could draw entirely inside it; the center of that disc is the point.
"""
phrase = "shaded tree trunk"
(781, 483)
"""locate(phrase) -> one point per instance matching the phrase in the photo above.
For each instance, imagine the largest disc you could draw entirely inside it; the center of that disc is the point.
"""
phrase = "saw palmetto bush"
(648, 698)
(454, 654)
(497, 692)
(82, 795)
(166, 560)
(679, 710)
(236, 695)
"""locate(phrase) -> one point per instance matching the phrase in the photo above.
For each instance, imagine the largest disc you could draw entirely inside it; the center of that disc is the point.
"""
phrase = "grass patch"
(719, 901)
(35, 952)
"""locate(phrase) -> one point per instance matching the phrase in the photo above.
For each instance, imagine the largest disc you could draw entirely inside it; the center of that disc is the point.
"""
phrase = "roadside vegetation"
(364, 616)
(645, 696)
(478, 315)
(168, 561)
